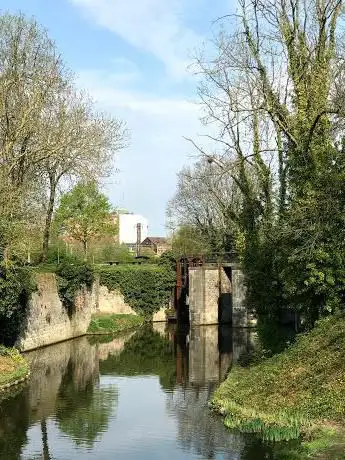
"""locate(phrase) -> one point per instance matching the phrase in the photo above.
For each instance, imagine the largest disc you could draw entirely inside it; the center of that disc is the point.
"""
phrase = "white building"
(129, 225)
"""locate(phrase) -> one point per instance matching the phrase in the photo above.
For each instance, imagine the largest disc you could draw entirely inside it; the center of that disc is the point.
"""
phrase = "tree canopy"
(84, 214)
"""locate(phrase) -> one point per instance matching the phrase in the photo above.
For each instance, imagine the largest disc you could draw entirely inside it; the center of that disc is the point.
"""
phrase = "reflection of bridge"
(204, 355)
(213, 288)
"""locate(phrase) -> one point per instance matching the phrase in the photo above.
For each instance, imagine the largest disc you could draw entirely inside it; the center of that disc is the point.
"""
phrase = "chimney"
(138, 238)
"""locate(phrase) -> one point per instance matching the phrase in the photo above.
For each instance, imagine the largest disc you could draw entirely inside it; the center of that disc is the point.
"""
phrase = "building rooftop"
(157, 239)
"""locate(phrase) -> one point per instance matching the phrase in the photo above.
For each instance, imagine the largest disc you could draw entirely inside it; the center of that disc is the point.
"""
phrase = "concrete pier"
(217, 295)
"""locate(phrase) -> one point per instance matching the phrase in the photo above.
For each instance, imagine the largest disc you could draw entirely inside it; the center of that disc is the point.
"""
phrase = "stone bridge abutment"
(216, 294)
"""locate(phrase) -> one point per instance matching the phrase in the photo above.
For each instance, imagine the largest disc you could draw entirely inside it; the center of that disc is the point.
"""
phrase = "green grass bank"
(112, 324)
(13, 366)
(299, 393)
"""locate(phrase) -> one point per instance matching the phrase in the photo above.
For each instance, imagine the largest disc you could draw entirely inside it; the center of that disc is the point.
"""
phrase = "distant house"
(156, 244)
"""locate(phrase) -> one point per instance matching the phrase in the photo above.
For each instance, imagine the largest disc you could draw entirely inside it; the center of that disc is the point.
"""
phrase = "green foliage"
(146, 288)
(110, 324)
(58, 253)
(84, 214)
(71, 279)
(99, 251)
(291, 393)
(167, 259)
(271, 338)
(189, 241)
(13, 365)
(298, 261)
(146, 353)
(116, 253)
(16, 286)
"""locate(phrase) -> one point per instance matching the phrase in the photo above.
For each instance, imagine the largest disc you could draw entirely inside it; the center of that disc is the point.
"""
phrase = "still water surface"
(139, 396)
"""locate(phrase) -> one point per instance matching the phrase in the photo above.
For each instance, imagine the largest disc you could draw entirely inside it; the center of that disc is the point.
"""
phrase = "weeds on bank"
(299, 392)
(12, 365)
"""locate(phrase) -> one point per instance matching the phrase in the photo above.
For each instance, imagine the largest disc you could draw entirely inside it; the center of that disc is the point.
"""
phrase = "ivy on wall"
(146, 288)
(71, 279)
(16, 286)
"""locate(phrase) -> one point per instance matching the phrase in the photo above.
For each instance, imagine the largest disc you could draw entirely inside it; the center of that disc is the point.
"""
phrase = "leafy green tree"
(84, 214)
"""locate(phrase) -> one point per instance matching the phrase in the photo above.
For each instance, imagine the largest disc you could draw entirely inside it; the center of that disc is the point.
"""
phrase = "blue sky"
(132, 57)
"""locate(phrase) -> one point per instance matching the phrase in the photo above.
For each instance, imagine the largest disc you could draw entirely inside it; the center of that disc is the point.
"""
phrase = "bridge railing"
(221, 257)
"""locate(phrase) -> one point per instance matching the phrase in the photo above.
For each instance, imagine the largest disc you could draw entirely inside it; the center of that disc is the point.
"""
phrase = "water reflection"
(83, 411)
(142, 395)
(203, 358)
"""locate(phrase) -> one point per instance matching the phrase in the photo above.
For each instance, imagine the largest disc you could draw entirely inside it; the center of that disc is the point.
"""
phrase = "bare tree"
(209, 201)
(31, 73)
(81, 144)
(297, 38)
(267, 91)
(50, 135)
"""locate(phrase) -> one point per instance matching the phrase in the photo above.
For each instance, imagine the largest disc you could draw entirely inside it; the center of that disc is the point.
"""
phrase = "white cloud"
(110, 90)
(157, 150)
(154, 26)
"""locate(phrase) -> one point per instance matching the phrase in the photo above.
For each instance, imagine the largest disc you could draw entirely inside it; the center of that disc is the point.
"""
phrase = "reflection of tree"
(44, 431)
(269, 339)
(256, 449)
(146, 353)
(14, 422)
(83, 411)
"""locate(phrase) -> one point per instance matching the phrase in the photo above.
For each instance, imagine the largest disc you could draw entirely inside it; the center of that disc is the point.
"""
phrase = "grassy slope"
(12, 366)
(109, 324)
(298, 392)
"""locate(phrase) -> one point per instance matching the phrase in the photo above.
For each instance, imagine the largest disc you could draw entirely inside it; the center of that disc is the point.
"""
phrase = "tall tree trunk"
(49, 218)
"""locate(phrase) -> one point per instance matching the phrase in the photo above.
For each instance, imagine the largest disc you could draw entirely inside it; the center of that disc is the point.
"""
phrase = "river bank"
(13, 367)
(299, 393)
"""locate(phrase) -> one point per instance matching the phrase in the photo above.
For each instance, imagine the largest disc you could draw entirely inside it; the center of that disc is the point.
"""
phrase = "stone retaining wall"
(113, 302)
(48, 320)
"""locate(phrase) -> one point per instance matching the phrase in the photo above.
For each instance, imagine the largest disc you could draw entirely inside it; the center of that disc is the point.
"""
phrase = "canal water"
(142, 395)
